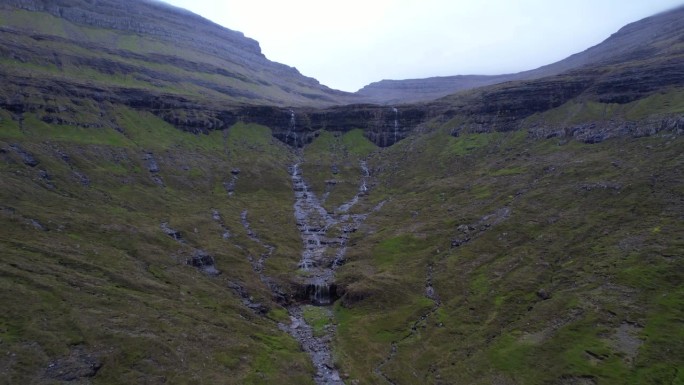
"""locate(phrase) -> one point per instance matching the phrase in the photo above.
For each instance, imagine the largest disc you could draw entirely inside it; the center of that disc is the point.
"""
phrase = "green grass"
(467, 143)
(667, 102)
(555, 239)
(357, 144)
(105, 253)
(393, 251)
(318, 318)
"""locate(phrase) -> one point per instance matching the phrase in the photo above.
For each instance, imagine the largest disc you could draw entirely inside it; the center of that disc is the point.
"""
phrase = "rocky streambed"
(324, 239)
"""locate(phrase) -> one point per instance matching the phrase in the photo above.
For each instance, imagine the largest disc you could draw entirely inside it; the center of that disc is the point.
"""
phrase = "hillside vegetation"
(524, 233)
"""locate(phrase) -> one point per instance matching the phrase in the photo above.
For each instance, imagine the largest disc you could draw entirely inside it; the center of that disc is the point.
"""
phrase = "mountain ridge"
(627, 40)
(169, 216)
(243, 74)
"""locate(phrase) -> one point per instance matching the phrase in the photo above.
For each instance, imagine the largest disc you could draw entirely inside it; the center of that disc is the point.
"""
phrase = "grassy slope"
(128, 60)
(104, 278)
(598, 227)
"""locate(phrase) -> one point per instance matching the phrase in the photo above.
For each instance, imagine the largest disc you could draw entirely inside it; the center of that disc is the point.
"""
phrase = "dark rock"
(543, 294)
(204, 262)
(229, 186)
(171, 232)
(78, 365)
(63, 156)
(44, 175)
(82, 178)
(26, 157)
(458, 242)
(151, 165)
(235, 171)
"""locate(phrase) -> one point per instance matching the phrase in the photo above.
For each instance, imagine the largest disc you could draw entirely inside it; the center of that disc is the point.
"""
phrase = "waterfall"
(366, 174)
(396, 123)
(292, 129)
(321, 295)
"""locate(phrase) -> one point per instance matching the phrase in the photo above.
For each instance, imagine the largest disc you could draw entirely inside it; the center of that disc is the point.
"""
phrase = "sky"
(346, 44)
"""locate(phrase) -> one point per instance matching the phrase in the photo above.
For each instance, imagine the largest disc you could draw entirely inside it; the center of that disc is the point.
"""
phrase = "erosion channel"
(324, 237)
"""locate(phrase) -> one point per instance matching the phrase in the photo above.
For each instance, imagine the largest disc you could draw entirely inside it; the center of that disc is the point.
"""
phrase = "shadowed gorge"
(175, 208)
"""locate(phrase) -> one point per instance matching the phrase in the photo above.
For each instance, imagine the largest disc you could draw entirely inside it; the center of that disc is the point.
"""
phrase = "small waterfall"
(318, 264)
(321, 294)
(292, 129)
(366, 174)
(396, 123)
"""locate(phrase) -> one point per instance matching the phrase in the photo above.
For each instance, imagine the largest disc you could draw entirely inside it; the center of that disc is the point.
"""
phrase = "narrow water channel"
(324, 241)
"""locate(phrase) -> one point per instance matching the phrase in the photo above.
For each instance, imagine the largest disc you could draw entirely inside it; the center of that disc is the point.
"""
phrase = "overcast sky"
(346, 44)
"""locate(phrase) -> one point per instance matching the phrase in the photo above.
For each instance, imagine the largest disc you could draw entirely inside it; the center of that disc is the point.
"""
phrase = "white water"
(396, 123)
(292, 129)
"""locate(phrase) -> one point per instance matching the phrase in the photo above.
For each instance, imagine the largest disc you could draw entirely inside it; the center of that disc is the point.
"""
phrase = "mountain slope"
(527, 233)
(141, 48)
(642, 39)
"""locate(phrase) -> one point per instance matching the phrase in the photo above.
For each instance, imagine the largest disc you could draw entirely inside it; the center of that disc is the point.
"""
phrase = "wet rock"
(175, 234)
(318, 294)
(216, 216)
(235, 171)
(230, 185)
(204, 262)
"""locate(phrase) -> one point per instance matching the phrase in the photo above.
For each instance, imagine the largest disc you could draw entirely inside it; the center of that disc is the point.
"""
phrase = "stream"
(324, 244)
(324, 241)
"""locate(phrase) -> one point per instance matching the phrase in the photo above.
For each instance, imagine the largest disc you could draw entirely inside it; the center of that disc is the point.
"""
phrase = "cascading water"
(396, 123)
(318, 264)
(292, 129)
(366, 174)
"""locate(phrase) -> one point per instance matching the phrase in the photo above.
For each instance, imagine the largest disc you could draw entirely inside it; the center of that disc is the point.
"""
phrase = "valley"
(194, 216)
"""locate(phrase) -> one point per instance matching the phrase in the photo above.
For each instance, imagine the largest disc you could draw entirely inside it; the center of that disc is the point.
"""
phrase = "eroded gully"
(324, 238)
